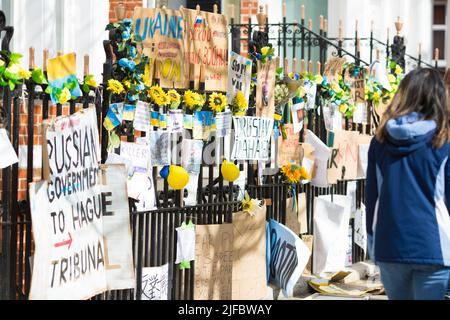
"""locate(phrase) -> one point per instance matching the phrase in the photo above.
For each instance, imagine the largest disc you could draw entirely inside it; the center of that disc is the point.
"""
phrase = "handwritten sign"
(67, 210)
(207, 46)
(249, 256)
(239, 76)
(252, 138)
(163, 36)
(360, 228)
(213, 262)
(287, 257)
(138, 154)
(289, 148)
(357, 85)
(155, 283)
(175, 121)
(343, 164)
(321, 156)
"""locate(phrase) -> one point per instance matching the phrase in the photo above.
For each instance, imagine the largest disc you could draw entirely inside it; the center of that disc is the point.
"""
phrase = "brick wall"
(248, 8)
(129, 4)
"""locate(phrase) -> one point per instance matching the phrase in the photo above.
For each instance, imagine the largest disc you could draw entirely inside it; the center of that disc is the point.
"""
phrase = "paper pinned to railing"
(9, 155)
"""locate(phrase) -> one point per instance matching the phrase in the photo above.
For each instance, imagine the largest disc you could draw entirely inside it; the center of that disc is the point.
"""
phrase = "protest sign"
(363, 155)
(223, 123)
(249, 255)
(331, 221)
(287, 257)
(321, 155)
(311, 91)
(66, 212)
(213, 262)
(116, 228)
(142, 117)
(175, 121)
(207, 46)
(265, 88)
(289, 148)
(357, 85)
(252, 138)
(292, 221)
(9, 156)
(163, 37)
(138, 154)
(343, 164)
(239, 76)
(155, 283)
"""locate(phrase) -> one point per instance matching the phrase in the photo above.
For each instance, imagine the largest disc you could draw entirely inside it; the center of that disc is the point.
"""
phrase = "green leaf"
(3, 83)
(121, 46)
(11, 85)
(11, 75)
(48, 90)
(15, 58)
(85, 88)
(38, 76)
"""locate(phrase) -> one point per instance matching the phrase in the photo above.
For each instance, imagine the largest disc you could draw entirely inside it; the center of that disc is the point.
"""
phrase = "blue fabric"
(405, 223)
(414, 282)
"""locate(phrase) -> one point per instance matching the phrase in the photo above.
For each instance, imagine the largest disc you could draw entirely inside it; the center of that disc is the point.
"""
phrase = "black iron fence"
(154, 236)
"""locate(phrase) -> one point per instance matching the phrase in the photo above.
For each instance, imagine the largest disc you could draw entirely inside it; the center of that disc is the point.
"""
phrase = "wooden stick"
(86, 64)
(45, 58)
(310, 24)
(191, 72)
(286, 66)
(341, 31)
(202, 73)
(284, 9)
(325, 26)
(31, 58)
(321, 22)
(215, 8)
(197, 7)
(420, 48)
(318, 65)
(302, 66)
(310, 67)
(302, 12)
(436, 54)
(294, 65)
(378, 54)
(232, 11)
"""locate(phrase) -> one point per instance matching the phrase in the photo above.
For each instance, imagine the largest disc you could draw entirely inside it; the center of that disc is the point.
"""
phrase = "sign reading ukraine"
(62, 78)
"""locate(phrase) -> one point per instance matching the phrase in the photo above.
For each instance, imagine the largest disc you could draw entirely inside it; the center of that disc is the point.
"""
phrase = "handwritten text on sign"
(239, 76)
(252, 138)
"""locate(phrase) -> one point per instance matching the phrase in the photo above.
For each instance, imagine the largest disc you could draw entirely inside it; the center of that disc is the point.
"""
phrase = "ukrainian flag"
(61, 70)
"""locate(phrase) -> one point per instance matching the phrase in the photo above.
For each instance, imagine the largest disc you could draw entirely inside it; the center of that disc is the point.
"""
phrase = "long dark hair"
(423, 91)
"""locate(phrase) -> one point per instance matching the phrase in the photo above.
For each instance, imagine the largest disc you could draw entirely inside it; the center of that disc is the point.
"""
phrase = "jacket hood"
(408, 133)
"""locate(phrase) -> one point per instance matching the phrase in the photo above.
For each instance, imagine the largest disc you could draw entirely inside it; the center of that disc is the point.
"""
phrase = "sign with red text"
(289, 148)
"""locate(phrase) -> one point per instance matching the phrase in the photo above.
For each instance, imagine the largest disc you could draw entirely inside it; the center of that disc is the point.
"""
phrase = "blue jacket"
(408, 195)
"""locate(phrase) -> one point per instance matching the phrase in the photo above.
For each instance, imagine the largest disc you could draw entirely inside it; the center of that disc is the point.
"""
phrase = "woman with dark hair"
(408, 190)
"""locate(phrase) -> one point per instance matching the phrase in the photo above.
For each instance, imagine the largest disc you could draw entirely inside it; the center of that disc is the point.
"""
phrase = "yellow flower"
(239, 101)
(91, 82)
(249, 205)
(64, 96)
(376, 95)
(265, 51)
(343, 108)
(304, 174)
(24, 74)
(292, 173)
(217, 102)
(336, 88)
(155, 92)
(193, 100)
(115, 86)
(162, 100)
(175, 98)
(398, 70)
(239, 113)
(392, 78)
(319, 79)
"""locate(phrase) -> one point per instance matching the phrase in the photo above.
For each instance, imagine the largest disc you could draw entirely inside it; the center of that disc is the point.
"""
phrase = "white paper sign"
(360, 228)
(360, 114)
(239, 76)
(142, 117)
(155, 283)
(191, 188)
(116, 228)
(175, 121)
(160, 148)
(138, 154)
(252, 138)
(8, 154)
(223, 123)
(67, 211)
(185, 244)
(322, 153)
(331, 221)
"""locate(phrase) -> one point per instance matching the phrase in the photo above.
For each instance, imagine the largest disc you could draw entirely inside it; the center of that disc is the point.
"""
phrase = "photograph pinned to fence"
(298, 116)
(159, 144)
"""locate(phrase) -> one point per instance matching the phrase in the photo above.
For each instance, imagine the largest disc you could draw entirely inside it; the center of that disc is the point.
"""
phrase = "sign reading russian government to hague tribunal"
(252, 138)
(69, 215)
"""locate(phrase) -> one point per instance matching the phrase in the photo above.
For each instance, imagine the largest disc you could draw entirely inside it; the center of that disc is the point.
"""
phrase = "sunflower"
(239, 104)
(175, 98)
(115, 86)
(155, 92)
(292, 173)
(162, 100)
(24, 74)
(217, 102)
(193, 100)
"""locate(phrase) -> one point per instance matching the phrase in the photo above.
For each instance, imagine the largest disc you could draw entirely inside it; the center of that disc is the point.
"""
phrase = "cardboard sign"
(155, 283)
(67, 211)
(207, 46)
(163, 36)
(333, 68)
(331, 221)
(287, 257)
(321, 155)
(289, 148)
(203, 121)
(239, 76)
(343, 164)
(265, 88)
(308, 240)
(249, 256)
(357, 85)
(252, 138)
(116, 228)
(213, 262)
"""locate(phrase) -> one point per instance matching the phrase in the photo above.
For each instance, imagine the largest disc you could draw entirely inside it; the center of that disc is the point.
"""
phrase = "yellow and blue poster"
(62, 78)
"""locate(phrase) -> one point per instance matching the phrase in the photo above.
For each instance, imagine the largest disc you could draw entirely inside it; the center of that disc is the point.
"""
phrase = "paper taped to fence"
(287, 257)
(252, 138)
(321, 155)
(289, 148)
(331, 221)
(249, 255)
(213, 262)
(155, 283)
(9, 156)
(239, 76)
(67, 209)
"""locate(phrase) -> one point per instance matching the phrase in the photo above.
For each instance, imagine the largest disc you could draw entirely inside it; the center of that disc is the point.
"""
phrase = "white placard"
(142, 117)
(239, 76)
(8, 154)
(155, 283)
